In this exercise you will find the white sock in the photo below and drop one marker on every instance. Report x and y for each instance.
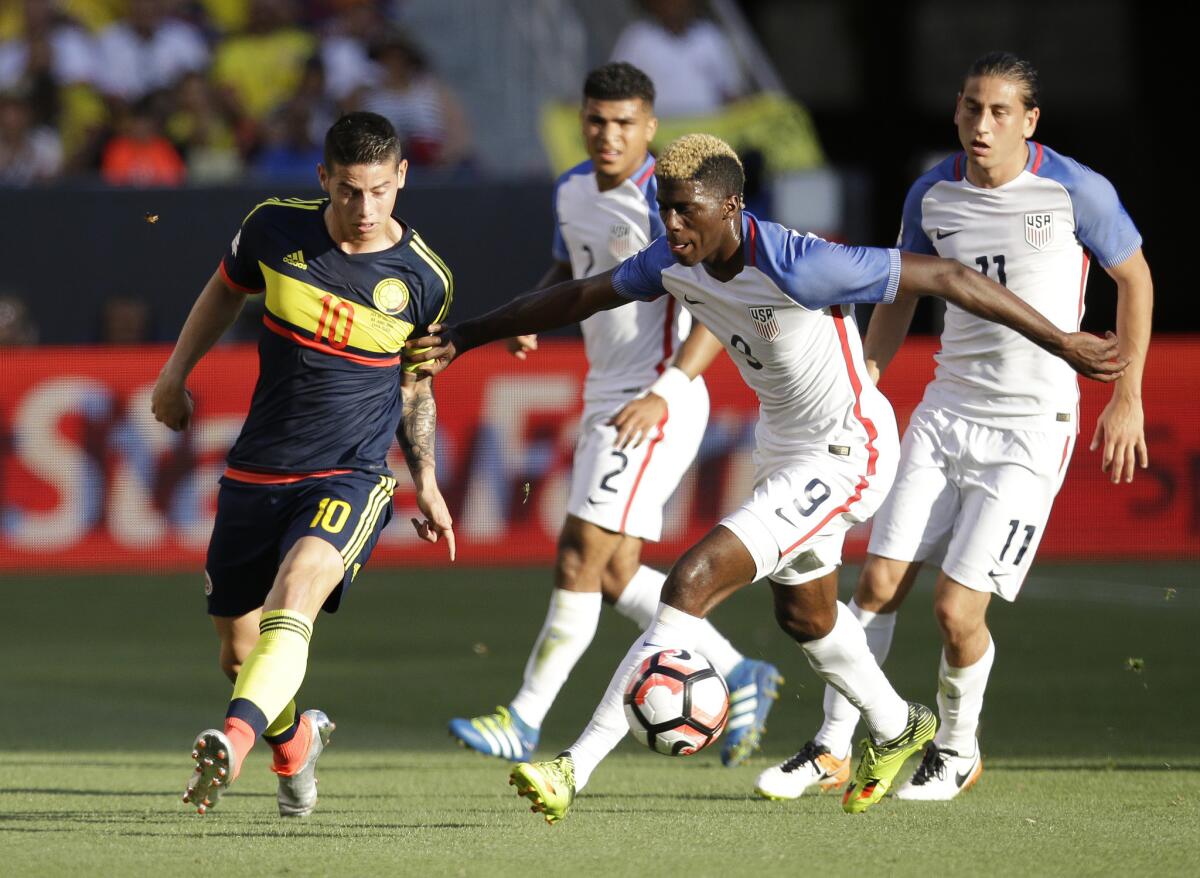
(960, 701)
(569, 627)
(841, 717)
(640, 599)
(671, 629)
(844, 660)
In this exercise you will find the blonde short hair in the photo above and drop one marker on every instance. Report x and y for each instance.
(704, 158)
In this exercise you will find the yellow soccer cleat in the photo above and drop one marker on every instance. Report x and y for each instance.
(550, 786)
(880, 763)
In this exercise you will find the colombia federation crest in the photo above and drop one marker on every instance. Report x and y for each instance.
(390, 295)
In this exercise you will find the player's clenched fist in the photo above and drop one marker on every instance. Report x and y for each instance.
(171, 403)
(432, 353)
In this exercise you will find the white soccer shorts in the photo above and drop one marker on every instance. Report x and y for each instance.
(972, 498)
(795, 522)
(624, 490)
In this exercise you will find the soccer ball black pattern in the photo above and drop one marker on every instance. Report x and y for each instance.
(676, 703)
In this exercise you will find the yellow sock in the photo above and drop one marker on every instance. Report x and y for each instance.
(285, 722)
(272, 673)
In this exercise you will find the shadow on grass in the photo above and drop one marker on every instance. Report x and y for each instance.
(55, 791)
(71, 821)
(14, 759)
(1093, 766)
(695, 797)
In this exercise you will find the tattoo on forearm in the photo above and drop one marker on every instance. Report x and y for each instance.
(419, 427)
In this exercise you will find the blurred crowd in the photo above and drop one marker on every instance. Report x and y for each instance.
(147, 93)
(162, 92)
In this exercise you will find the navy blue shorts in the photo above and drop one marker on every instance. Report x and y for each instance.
(257, 525)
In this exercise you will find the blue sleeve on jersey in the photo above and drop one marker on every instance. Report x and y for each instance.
(912, 233)
(816, 273)
(558, 247)
(1101, 223)
(241, 261)
(640, 276)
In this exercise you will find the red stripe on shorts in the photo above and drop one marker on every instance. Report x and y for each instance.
(641, 472)
(839, 321)
(668, 336)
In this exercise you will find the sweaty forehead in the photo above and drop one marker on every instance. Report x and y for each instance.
(680, 192)
(364, 176)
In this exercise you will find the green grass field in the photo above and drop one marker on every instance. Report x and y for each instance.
(1090, 739)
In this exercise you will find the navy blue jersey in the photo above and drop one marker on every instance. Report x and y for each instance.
(328, 391)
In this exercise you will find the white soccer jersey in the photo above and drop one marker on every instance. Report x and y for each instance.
(787, 321)
(627, 347)
(1034, 235)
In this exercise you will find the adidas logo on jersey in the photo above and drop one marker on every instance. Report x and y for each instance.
(296, 260)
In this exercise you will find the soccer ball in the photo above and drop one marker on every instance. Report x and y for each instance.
(676, 703)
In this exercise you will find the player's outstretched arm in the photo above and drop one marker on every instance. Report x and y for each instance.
(640, 416)
(416, 434)
(1090, 356)
(885, 333)
(1120, 429)
(217, 307)
(537, 311)
(520, 345)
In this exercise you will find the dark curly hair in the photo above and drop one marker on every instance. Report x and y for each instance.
(618, 81)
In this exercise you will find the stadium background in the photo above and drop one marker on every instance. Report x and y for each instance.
(836, 114)
(104, 514)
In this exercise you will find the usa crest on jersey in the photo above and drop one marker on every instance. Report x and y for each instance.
(621, 242)
(765, 324)
(1039, 229)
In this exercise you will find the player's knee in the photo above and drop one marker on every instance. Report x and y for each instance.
(308, 575)
(878, 589)
(956, 622)
(690, 582)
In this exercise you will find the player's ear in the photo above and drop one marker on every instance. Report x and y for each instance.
(401, 173)
(731, 205)
(651, 127)
(1031, 120)
(323, 176)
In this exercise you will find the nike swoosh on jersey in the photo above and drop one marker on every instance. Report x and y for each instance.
(941, 234)
(692, 301)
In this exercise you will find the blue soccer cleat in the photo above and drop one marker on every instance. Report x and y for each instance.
(503, 734)
(753, 691)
